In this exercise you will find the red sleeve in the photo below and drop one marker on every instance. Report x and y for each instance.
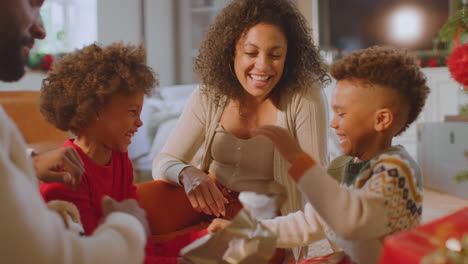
(81, 197)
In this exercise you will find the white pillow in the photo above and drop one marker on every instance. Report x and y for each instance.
(176, 92)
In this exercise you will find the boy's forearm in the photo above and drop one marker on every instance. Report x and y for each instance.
(364, 212)
(296, 229)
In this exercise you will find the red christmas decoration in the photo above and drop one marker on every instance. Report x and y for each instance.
(457, 64)
(433, 62)
(420, 63)
(47, 61)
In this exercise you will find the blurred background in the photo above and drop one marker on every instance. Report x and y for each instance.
(171, 31)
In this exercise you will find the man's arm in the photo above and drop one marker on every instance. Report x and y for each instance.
(36, 235)
(33, 234)
(62, 165)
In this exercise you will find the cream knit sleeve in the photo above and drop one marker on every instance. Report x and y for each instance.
(296, 229)
(306, 119)
(311, 124)
(382, 201)
(33, 234)
(183, 142)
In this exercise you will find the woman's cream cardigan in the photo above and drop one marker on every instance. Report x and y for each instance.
(303, 114)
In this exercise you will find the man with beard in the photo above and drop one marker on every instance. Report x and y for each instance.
(33, 234)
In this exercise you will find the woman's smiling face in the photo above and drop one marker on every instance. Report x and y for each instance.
(260, 55)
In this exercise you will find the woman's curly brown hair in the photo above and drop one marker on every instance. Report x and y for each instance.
(303, 67)
(390, 67)
(85, 80)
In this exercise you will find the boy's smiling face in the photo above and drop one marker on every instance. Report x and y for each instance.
(355, 108)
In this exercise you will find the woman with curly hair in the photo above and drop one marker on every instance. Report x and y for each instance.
(379, 93)
(258, 66)
(97, 94)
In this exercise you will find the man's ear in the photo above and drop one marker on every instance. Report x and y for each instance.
(383, 119)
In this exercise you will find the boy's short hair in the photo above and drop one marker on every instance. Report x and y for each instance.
(389, 67)
(84, 81)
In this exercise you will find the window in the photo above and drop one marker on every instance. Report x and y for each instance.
(70, 24)
(346, 26)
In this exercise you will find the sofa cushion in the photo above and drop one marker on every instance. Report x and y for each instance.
(22, 107)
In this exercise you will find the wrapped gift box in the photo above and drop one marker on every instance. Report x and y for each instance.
(441, 241)
(334, 258)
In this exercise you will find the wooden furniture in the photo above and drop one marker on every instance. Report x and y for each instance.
(455, 118)
(22, 107)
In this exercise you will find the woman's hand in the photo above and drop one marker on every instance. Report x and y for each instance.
(218, 224)
(202, 192)
(284, 142)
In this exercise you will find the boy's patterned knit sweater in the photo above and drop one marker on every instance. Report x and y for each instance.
(359, 202)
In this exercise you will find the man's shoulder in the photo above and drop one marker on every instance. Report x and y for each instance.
(9, 133)
(5, 121)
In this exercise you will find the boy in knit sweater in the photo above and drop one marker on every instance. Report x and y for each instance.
(374, 189)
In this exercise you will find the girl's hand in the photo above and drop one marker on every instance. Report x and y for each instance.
(283, 141)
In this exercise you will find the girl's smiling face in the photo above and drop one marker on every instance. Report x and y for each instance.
(119, 120)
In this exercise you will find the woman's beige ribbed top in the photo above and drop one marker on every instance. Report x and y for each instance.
(241, 164)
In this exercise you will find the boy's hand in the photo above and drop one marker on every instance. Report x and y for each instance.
(284, 142)
(218, 224)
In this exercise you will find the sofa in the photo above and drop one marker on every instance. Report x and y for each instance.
(22, 107)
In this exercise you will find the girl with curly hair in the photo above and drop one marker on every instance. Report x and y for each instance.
(258, 66)
(97, 94)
